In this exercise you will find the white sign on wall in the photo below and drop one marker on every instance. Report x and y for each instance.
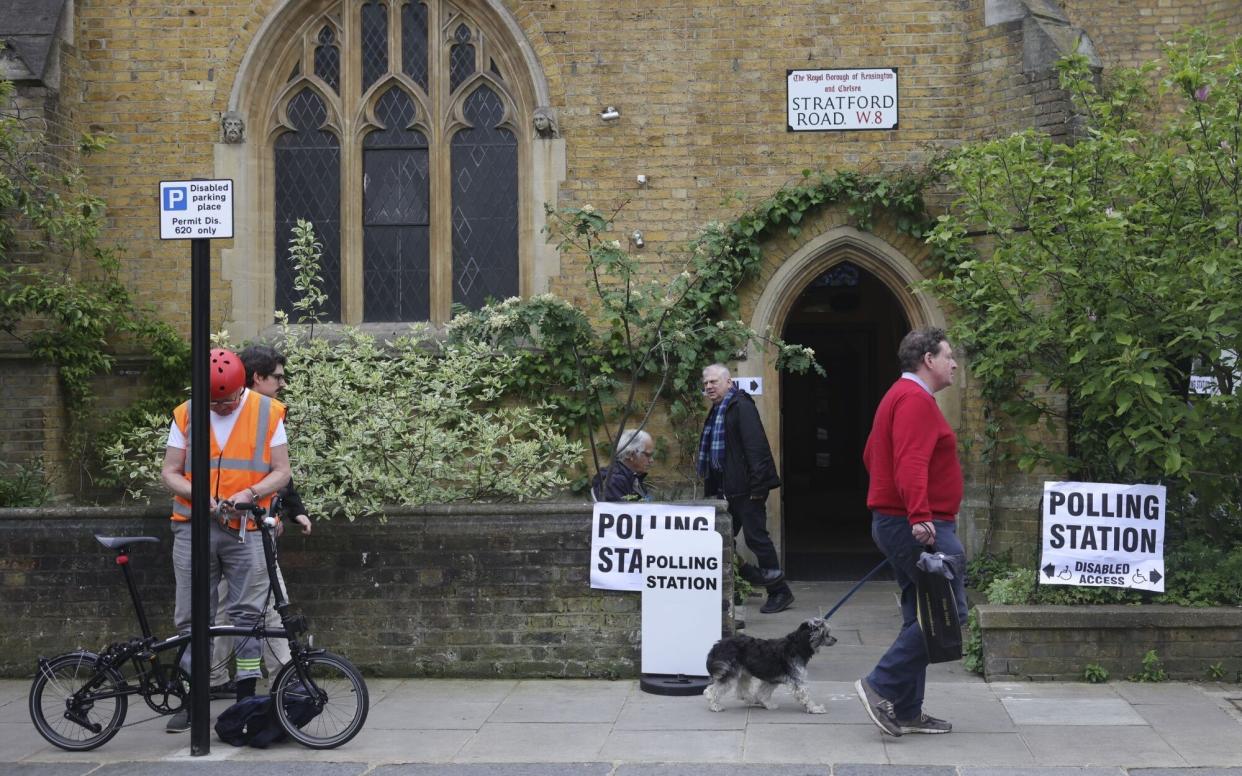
(829, 100)
(196, 210)
(617, 535)
(1099, 534)
(751, 385)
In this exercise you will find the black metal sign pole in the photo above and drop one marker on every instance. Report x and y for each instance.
(200, 524)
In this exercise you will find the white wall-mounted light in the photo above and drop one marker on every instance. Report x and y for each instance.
(636, 239)
(610, 114)
(642, 180)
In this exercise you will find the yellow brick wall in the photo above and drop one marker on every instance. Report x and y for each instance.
(700, 85)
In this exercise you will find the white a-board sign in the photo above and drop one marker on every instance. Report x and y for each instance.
(682, 579)
(1101, 534)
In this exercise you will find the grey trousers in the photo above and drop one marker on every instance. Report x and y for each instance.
(237, 562)
(276, 653)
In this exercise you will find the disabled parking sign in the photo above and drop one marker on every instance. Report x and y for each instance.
(196, 210)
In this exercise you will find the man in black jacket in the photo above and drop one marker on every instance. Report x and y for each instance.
(735, 463)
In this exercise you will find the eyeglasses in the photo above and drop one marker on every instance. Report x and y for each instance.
(280, 377)
(224, 402)
(647, 453)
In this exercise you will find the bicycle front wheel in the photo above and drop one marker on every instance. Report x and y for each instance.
(328, 708)
(73, 721)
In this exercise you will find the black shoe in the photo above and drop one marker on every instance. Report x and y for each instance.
(777, 602)
(224, 692)
(179, 723)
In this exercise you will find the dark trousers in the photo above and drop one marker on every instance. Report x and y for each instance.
(901, 675)
(750, 516)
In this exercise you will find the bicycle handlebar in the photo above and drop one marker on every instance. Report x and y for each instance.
(260, 514)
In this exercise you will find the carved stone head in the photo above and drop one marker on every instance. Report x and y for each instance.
(544, 120)
(233, 127)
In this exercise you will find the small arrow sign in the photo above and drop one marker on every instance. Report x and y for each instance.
(1155, 576)
(1049, 570)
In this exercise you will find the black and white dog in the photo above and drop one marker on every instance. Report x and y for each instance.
(734, 660)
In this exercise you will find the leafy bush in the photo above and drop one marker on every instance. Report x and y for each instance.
(1103, 295)
(23, 485)
(1199, 573)
(373, 424)
(982, 569)
(1152, 670)
(1095, 673)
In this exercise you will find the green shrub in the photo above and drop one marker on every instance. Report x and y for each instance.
(1095, 673)
(1199, 573)
(1152, 670)
(23, 485)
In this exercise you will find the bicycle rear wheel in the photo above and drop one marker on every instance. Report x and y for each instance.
(329, 709)
(82, 723)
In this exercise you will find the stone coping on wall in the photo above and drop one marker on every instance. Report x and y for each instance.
(156, 510)
(1108, 616)
(1059, 642)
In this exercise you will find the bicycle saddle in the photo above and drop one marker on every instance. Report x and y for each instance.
(121, 542)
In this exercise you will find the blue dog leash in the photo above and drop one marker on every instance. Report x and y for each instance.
(854, 589)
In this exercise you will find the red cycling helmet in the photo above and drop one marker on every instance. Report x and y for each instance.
(227, 373)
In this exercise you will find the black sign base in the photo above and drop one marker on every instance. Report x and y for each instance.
(673, 684)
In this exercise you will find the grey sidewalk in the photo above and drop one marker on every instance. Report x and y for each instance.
(602, 727)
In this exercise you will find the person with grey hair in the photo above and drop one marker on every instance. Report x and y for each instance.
(735, 462)
(914, 495)
(624, 480)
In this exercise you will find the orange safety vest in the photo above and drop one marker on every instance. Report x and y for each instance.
(246, 458)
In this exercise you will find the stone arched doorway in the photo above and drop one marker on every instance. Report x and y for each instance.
(850, 296)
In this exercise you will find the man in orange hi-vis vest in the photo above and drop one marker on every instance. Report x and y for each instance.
(249, 464)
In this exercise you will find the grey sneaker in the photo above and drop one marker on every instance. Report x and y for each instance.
(925, 724)
(880, 710)
(179, 723)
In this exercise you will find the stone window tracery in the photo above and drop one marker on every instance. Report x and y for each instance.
(399, 136)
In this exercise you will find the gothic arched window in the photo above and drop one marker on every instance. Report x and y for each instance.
(399, 135)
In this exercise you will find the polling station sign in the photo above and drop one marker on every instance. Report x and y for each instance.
(617, 531)
(1099, 534)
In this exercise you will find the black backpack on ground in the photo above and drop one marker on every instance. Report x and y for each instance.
(252, 721)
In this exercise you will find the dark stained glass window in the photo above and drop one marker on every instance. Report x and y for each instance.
(396, 216)
(485, 215)
(461, 58)
(414, 42)
(365, 155)
(328, 59)
(374, 43)
(308, 186)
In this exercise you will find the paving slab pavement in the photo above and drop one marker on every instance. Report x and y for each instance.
(612, 728)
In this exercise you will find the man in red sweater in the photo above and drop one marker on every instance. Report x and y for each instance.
(915, 492)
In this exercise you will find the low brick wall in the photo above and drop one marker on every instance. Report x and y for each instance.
(1058, 642)
(467, 591)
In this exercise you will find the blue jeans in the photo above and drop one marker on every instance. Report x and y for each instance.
(901, 674)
